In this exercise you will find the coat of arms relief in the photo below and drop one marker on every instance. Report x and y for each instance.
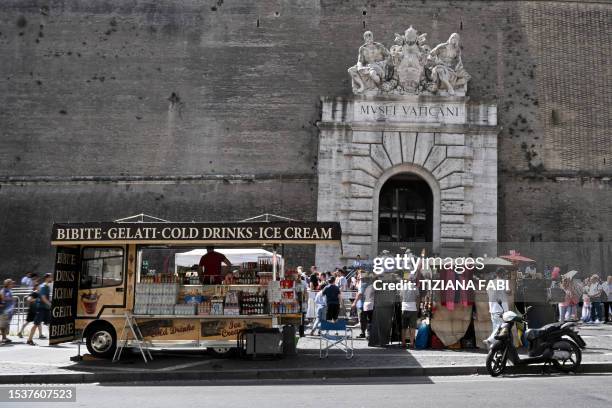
(409, 67)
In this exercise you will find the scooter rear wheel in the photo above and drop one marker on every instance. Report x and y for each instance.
(571, 364)
(496, 361)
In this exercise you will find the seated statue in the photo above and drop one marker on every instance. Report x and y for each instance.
(447, 70)
(369, 73)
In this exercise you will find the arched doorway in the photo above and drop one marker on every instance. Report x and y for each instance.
(405, 213)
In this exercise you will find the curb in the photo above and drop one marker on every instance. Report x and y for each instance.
(285, 374)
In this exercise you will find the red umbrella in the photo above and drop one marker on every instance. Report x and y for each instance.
(516, 257)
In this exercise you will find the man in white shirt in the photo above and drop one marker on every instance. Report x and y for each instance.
(341, 280)
(498, 304)
(27, 280)
(410, 300)
(365, 302)
(368, 305)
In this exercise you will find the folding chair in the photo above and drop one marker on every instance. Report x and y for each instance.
(339, 339)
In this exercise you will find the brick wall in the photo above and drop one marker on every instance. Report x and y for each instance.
(127, 92)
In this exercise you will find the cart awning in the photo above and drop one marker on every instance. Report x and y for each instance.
(197, 233)
(235, 255)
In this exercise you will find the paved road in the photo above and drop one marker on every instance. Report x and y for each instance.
(18, 358)
(422, 392)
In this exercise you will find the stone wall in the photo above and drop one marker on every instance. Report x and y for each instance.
(455, 153)
(131, 98)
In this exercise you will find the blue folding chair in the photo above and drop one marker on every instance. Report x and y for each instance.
(335, 334)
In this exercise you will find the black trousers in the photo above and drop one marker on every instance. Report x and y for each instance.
(333, 311)
(607, 311)
(365, 320)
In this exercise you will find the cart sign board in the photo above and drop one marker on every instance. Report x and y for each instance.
(172, 329)
(237, 232)
(229, 329)
(64, 297)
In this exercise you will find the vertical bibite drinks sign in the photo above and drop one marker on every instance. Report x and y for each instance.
(64, 297)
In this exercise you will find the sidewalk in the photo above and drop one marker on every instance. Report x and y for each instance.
(20, 363)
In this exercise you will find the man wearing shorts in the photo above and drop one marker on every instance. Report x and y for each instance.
(32, 300)
(44, 307)
(410, 299)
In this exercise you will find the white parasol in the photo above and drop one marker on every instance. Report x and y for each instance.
(570, 274)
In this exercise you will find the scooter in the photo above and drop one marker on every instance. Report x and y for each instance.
(556, 344)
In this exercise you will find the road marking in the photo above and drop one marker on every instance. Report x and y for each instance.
(186, 365)
(129, 369)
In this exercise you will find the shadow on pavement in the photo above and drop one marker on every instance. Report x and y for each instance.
(132, 359)
(305, 359)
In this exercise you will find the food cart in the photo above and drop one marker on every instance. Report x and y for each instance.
(108, 273)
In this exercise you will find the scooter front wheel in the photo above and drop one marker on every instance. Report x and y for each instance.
(496, 361)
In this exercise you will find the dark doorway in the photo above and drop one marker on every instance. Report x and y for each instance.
(405, 210)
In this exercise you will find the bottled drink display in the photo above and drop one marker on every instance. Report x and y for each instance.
(156, 298)
(231, 306)
(182, 294)
(252, 304)
(248, 277)
(265, 264)
(284, 308)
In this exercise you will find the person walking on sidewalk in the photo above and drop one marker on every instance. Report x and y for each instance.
(32, 300)
(498, 304)
(410, 300)
(320, 310)
(43, 308)
(7, 307)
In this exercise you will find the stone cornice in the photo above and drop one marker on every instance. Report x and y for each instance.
(412, 127)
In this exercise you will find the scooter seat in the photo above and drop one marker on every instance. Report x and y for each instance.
(533, 334)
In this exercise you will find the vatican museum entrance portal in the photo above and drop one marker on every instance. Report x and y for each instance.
(409, 161)
(405, 212)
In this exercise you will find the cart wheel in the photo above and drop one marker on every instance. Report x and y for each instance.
(222, 352)
(101, 340)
